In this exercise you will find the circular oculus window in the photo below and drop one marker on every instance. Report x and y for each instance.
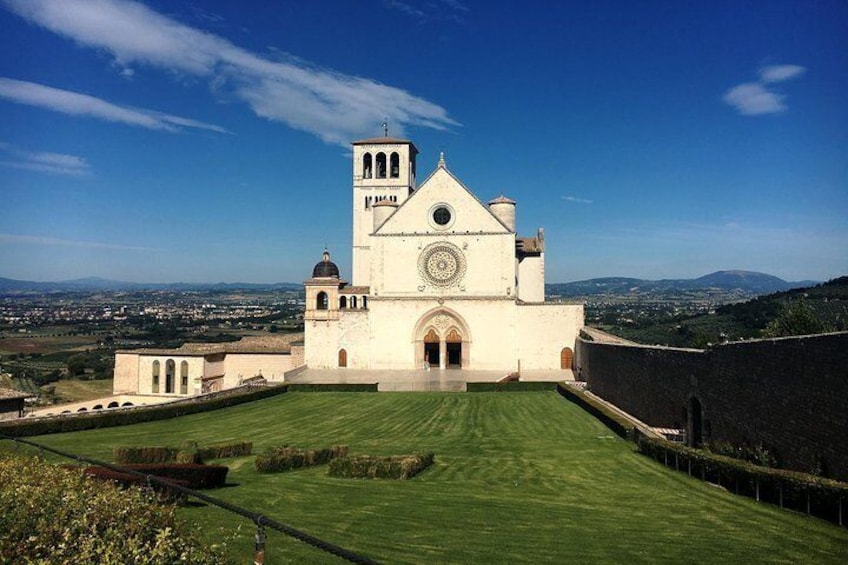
(442, 216)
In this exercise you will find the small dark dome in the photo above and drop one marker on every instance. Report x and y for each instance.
(326, 268)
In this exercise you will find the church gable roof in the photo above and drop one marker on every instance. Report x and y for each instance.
(468, 213)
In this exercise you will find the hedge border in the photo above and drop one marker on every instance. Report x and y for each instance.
(760, 483)
(197, 475)
(90, 421)
(332, 387)
(284, 458)
(124, 455)
(765, 484)
(513, 386)
(610, 418)
(394, 467)
(225, 449)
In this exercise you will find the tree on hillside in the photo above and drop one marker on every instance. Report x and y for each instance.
(796, 318)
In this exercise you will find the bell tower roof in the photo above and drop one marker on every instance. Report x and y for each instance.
(386, 141)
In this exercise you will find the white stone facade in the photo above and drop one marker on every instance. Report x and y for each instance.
(441, 280)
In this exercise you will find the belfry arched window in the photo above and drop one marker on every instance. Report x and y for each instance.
(343, 302)
(321, 301)
(367, 166)
(381, 165)
(353, 302)
(394, 165)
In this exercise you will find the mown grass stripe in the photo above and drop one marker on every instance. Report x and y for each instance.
(519, 477)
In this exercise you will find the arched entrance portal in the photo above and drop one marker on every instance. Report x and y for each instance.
(431, 349)
(453, 347)
(566, 358)
(442, 340)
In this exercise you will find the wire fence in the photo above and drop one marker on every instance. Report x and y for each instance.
(259, 520)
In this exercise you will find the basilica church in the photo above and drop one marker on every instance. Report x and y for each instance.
(439, 279)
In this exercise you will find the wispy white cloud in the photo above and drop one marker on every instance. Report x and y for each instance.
(780, 73)
(53, 241)
(757, 98)
(405, 7)
(429, 11)
(334, 106)
(77, 104)
(45, 162)
(753, 99)
(577, 200)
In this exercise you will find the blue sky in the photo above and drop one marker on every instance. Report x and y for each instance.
(177, 140)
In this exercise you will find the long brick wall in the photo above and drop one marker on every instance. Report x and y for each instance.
(790, 394)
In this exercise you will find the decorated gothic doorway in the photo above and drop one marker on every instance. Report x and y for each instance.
(566, 358)
(453, 347)
(431, 349)
(441, 340)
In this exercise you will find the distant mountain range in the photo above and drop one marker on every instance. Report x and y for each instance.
(93, 284)
(743, 281)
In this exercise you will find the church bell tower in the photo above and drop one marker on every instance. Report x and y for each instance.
(383, 169)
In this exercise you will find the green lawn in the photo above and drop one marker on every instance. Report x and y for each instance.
(75, 390)
(521, 477)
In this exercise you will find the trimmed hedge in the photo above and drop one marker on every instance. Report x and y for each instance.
(195, 475)
(226, 450)
(374, 467)
(189, 452)
(512, 386)
(126, 479)
(788, 489)
(285, 458)
(156, 454)
(611, 419)
(108, 419)
(333, 387)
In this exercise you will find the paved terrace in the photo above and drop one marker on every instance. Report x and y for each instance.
(452, 380)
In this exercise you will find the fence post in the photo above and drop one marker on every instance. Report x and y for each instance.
(780, 490)
(840, 509)
(259, 543)
(757, 488)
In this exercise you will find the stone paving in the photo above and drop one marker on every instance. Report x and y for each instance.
(451, 380)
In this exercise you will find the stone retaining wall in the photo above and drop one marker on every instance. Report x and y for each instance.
(790, 394)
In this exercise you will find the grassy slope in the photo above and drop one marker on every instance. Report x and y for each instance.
(519, 478)
(74, 390)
